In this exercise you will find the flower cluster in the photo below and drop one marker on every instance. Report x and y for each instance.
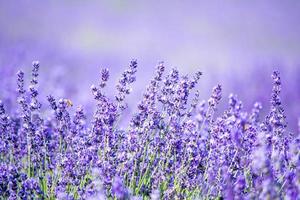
(175, 146)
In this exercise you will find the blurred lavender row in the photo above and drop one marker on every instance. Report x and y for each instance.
(236, 45)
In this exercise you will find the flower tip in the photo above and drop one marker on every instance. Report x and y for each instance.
(35, 63)
(20, 73)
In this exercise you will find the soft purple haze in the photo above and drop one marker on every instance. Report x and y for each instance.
(237, 44)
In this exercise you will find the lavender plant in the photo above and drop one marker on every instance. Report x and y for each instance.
(175, 147)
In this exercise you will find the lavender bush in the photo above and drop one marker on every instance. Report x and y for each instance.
(175, 146)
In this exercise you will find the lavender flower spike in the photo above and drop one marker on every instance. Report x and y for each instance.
(172, 147)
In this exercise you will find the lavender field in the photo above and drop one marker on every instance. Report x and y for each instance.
(141, 100)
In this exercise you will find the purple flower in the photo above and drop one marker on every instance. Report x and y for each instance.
(123, 86)
(174, 147)
(118, 189)
(104, 77)
(34, 104)
(215, 96)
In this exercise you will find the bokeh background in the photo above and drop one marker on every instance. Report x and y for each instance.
(235, 43)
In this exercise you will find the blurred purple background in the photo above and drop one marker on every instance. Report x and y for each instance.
(237, 44)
